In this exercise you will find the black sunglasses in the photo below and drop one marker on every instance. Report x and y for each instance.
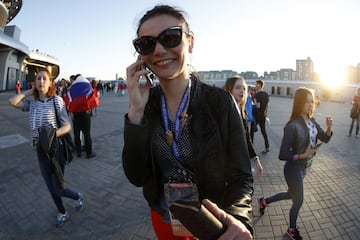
(169, 38)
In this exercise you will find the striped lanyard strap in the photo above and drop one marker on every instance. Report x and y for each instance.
(174, 138)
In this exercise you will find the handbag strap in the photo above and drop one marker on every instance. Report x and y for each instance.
(56, 114)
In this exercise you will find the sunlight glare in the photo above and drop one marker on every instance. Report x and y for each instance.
(332, 75)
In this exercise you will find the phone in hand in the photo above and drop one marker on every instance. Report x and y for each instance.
(319, 144)
(197, 219)
(150, 76)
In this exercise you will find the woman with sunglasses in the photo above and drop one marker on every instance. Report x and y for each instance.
(183, 139)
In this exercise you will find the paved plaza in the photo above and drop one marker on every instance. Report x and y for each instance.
(114, 209)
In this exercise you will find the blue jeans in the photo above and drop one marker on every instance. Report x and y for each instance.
(52, 182)
(294, 176)
(354, 120)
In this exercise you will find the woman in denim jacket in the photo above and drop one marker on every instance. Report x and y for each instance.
(298, 147)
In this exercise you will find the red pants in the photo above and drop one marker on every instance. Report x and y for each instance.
(163, 230)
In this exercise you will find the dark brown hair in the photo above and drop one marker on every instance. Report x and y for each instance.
(164, 10)
(229, 85)
(300, 97)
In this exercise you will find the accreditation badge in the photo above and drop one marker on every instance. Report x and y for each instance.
(180, 191)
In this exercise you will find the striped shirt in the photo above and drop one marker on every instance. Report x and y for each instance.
(42, 113)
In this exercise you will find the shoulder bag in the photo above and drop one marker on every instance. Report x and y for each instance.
(65, 144)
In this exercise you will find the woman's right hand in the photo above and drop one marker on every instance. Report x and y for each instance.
(308, 152)
(138, 94)
(235, 229)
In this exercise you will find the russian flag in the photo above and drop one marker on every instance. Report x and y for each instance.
(81, 97)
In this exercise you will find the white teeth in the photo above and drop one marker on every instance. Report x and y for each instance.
(164, 62)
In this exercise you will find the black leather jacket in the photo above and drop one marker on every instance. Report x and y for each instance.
(296, 139)
(220, 161)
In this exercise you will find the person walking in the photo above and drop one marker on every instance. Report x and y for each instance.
(94, 84)
(249, 107)
(354, 115)
(183, 136)
(18, 87)
(63, 88)
(122, 88)
(260, 111)
(42, 113)
(238, 88)
(100, 88)
(298, 149)
(80, 100)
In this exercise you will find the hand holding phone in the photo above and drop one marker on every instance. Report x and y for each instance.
(149, 76)
(197, 219)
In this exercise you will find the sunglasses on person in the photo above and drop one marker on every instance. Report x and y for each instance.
(169, 38)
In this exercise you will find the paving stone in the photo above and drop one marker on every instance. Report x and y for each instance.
(114, 209)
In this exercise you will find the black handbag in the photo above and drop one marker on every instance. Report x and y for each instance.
(47, 139)
(65, 149)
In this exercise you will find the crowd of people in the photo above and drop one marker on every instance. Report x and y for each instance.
(195, 140)
(184, 141)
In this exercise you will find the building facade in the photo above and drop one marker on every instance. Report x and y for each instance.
(17, 62)
(304, 69)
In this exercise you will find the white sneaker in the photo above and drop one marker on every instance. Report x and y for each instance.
(79, 205)
(61, 218)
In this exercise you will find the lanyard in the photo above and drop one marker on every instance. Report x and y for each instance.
(173, 138)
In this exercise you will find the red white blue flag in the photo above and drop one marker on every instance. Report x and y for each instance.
(81, 97)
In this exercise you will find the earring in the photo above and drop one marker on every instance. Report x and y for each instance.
(190, 67)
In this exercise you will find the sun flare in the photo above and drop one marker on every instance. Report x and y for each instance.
(332, 75)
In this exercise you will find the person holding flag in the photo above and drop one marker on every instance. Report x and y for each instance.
(79, 100)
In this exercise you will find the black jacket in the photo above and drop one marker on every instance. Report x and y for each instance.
(297, 138)
(220, 161)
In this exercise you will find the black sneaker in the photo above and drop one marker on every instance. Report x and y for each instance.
(294, 234)
(266, 151)
(262, 205)
(91, 155)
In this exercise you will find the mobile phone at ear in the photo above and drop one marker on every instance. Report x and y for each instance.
(150, 76)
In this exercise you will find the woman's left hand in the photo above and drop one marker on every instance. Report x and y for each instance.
(329, 123)
(235, 230)
(259, 167)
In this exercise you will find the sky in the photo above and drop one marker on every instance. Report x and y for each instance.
(94, 38)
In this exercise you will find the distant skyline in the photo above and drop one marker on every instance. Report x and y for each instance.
(94, 37)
